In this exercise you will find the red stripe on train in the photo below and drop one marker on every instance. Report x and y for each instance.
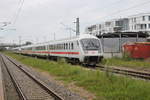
(64, 52)
(56, 52)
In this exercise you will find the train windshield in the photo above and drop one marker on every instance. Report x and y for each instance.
(90, 44)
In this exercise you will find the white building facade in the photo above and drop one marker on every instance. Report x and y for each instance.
(135, 23)
(140, 22)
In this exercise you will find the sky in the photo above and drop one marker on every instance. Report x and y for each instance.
(39, 20)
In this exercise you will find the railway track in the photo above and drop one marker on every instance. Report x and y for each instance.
(27, 85)
(124, 71)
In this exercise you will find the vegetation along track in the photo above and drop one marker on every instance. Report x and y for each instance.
(123, 71)
(27, 85)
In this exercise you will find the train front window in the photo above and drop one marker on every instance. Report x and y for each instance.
(90, 44)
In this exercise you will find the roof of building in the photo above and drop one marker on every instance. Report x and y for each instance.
(140, 14)
(124, 34)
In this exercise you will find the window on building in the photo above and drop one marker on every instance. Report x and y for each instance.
(119, 23)
(134, 19)
(149, 18)
(99, 26)
(141, 26)
(149, 25)
(145, 26)
(134, 27)
(143, 18)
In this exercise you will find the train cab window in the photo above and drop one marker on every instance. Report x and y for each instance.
(90, 44)
(72, 46)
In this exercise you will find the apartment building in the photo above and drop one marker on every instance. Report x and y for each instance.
(135, 23)
(139, 22)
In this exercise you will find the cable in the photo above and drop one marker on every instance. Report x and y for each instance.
(123, 10)
(18, 12)
(68, 28)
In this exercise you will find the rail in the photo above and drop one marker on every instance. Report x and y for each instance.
(39, 82)
(129, 72)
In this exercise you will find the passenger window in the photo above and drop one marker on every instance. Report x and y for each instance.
(72, 46)
(66, 45)
(77, 43)
(69, 46)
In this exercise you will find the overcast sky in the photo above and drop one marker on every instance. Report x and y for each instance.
(38, 20)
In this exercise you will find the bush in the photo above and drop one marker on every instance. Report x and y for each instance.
(127, 56)
(62, 61)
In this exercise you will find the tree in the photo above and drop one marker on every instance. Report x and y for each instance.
(28, 43)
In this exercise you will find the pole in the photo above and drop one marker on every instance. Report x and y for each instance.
(77, 26)
(54, 36)
(20, 41)
(70, 33)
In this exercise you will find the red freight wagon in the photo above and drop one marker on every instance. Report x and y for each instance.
(138, 50)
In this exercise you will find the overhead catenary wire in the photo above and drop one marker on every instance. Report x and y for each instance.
(124, 10)
(18, 12)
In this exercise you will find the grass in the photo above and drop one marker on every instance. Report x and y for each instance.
(104, 85)
(133, 63)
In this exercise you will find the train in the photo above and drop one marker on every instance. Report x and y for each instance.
(85, 49)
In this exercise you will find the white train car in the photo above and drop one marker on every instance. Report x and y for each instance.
(83, 49)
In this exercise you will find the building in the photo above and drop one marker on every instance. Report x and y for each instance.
(139, 22)
(135, 23)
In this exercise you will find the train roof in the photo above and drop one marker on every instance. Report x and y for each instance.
(83, 36)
